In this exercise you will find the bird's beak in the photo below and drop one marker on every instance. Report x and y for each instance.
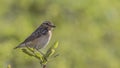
(53, 26)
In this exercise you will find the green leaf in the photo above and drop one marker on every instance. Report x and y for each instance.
(55, 45)
(8, 66)
(51, 50)
(50, 53)
(27, 52)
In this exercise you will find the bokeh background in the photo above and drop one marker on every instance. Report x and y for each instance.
(88, 32)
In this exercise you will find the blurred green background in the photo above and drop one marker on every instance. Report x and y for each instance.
(88, 32)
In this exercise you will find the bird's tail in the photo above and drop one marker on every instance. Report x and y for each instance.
(16, 47)
(19, 46)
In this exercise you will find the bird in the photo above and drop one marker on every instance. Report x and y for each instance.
(39, 38)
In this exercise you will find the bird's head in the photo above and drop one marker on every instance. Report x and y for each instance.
(49, 25)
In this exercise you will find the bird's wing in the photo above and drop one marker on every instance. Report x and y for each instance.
(29, 39)
(36, 34)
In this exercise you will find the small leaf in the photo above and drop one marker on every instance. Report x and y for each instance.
(26, 52)
(38, 54)
(8, 66)
(55, 45)
(50, 53)
(51, 50)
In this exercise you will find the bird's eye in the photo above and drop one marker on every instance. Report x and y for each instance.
(47, 24)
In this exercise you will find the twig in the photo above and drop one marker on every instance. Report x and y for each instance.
(44, 66)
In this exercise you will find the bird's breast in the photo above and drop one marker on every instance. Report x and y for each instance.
(43, 40)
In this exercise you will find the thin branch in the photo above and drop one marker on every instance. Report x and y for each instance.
(44, 66)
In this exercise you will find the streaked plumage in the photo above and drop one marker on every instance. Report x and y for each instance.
(40, 37)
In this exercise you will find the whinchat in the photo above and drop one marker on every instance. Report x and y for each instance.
(40, 37)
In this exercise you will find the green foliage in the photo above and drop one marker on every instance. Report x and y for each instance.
(43, 58)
